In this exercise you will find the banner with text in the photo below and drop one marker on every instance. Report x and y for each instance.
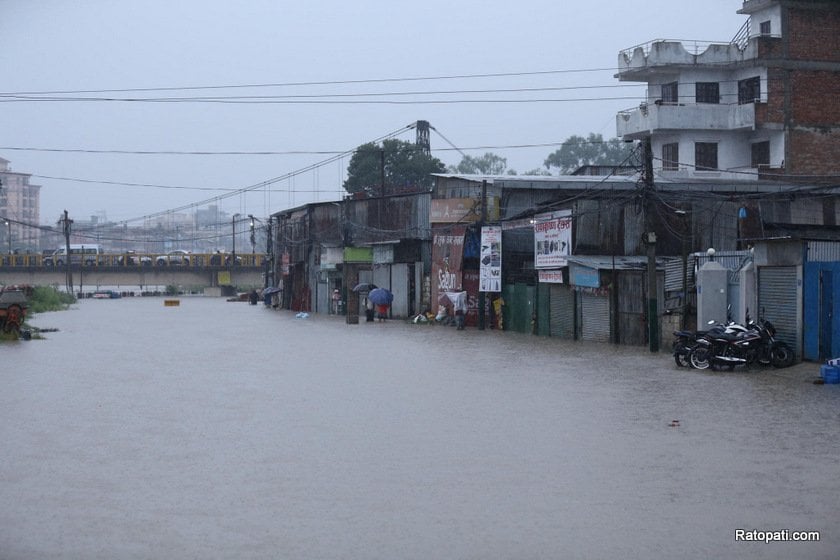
(490, 274)
(447, 256)
(552, 239)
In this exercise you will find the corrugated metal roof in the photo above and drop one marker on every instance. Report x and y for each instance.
(608, 262)
(823, 251)
(627, 182)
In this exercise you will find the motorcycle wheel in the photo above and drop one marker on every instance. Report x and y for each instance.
(781, 355)
(681, 356)
(698, 357)
(763, 356)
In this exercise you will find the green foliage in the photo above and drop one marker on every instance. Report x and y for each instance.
(405, 166)
(488, 164)
(47, 298)
(539, 172)
(172, 290)
(578, 151)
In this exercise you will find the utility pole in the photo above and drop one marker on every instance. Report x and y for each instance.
(233, 246)
(65, 223)
(253, 236)
(381, 191)
(650, 241)
(422, 139)
(269, 255)
(482, 301)
(382, 171)
(684, 319)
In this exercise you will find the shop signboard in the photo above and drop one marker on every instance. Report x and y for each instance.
(383, 254)
(331, 257)
(583, 276)
(490, 273)
(453, 210)
(462, 210)
(551, 276)
(552, 239)
(358, 255)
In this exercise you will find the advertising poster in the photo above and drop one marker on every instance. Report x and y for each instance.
(490, 273)
(552, 239)
(447, 256)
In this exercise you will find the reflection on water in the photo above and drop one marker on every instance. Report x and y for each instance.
(221, 430)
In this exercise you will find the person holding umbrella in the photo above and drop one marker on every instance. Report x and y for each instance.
(381, 298)
(366, 288)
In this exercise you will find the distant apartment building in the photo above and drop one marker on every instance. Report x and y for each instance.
(20, 209)
(764, 105)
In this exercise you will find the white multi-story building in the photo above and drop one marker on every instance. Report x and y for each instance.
(20, 208)
(763, 105)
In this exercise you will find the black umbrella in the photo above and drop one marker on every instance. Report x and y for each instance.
(364, 287)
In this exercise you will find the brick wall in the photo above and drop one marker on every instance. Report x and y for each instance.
(815, 98)
(814, 151)
(814, 34)
(813, 141)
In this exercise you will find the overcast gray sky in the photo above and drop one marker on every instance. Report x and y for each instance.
(55, 45)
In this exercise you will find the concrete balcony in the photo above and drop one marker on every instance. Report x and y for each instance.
(642, 61)
(649, 119)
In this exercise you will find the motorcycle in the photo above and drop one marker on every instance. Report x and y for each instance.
(773, 352)
(685, 341)
(757, 344)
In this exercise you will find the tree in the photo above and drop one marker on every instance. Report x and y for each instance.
(488, 164)
(593, 150)
(539, 172)
(406, 165)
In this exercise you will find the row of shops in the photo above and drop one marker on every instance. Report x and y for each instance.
(548, 273)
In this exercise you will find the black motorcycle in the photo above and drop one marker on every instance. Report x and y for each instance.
(773, 352)
(755, 345)
(685, 341)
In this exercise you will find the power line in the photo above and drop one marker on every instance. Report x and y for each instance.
(315, 83)
(302, 97)
(267, 182)
(281, 153)
(313, 101)
(357, 82)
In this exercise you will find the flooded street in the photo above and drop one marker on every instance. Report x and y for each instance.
(224, 430)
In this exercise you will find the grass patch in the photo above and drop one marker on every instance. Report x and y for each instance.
(47, 298)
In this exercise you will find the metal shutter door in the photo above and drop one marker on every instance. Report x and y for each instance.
(562, 312)
(777, 300)
(595, 318)
(399, 287)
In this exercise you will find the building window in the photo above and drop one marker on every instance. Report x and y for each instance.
(760, 154)
(749, 90)
(671, 156)
(707, 92)
(705, 156)
(764, 27)
(670, 93)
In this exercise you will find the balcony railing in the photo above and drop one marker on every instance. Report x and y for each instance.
(695, 116)
(691, 46)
